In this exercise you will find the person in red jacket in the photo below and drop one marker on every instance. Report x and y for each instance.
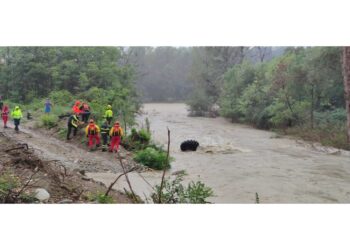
(76, 108)
(116, 133)
(5, 114)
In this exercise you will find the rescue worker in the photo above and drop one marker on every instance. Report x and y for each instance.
(109, 114)
(92, 132)
(105, 128)
(73, 123)
(17, 116)
(76, 108)
(5, 115)
(1, 103)
(85, 112)
(116, 133)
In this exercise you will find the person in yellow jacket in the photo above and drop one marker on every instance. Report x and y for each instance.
(116, 134)
(73, 123)
(92, 131)
(17, 116)
(109, 114)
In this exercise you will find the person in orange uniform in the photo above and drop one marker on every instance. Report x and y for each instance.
(92, 131)
(116, 134)
(76, 108)
(5, 114)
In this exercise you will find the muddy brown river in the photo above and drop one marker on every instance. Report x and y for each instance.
(237, 161)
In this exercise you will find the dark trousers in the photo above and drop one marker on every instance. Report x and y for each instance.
(17, 122)
(85, 117)
(75, 130)
(104, 141)
(109, 120)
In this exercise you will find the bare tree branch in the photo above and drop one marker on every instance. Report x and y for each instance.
(165, 168)
(115, 181)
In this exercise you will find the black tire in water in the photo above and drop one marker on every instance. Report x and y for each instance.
(189, 145)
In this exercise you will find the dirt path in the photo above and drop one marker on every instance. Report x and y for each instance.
(101, 166)
(69, 154)
(237, 161)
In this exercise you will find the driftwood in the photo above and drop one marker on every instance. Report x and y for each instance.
(115, 181)
(126, 176)
(22, 146)
(164, 170)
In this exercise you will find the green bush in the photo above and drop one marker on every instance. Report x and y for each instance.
(143, 136)
(7, 183)
(153, 158)
(336, 117)
(137, 140)
(49, 121)
(61, 97)
(101, 198)
(10, 185)
(174, 192)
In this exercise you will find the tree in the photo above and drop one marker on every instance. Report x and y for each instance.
(208, 69)
(346, 74)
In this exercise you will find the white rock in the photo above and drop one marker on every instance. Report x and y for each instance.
(41, 194)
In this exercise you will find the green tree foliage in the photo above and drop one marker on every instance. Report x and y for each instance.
(28, 72)
(92, 74)
(286, 91)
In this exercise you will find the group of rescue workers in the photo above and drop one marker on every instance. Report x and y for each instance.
(110, 134)
(16, 114)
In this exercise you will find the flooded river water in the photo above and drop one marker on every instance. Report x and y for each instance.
(237, 161)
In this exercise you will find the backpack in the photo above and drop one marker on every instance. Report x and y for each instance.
(116, 131)
(92, 130)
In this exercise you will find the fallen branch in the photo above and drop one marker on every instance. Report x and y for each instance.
(26, 184)
(126, 176)
(165, 168)
(115, 181)
(24, 146)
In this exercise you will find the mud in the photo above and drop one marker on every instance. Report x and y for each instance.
(238, 161)
(31, 172)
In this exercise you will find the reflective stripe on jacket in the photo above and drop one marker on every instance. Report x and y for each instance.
(73, 120)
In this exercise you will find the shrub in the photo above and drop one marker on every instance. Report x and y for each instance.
(335, 117)
(153, 158)
(61, 97)
(7, 183)
(10, 187)
(49, 121)
(137, 140)
(174, 192)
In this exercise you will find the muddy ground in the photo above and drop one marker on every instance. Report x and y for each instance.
(59, 167)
